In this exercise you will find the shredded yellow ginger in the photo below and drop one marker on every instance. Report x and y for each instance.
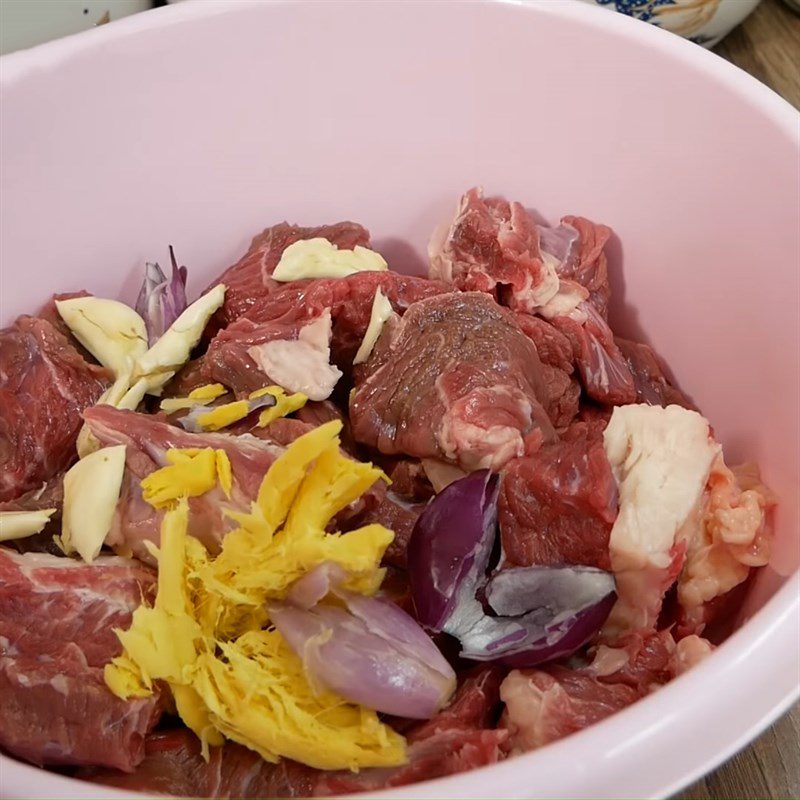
(285, 404)
(224, 415)
(207, 636)
(202, 395)
(190, 472)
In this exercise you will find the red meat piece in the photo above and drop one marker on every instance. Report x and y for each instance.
(455, 380)
(558, 506)
(45, 384)
(57, 621)
(492, 246)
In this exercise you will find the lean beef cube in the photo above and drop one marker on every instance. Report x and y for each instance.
(584, 259)
(409, 476)
(580, 309)
(455, 380)
(49, 495)
(249, 279)
(548, 703)
(558, 505)
(604, 371)
(475, 705)
(446, 753)
(175, 766)
(556, 354)
(553, 347)
(57, 620)
(397, 514)
(188, 378)
(460, 737)
(45, 384)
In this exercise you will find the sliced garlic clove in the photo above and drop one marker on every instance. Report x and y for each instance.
(19, 524)
(91, 491)
(319, 258)
(111, 331)
(173, 349)
(381, 311)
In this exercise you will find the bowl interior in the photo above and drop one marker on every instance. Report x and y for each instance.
(199, 124)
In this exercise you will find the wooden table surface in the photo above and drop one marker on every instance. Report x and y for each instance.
(767, 45)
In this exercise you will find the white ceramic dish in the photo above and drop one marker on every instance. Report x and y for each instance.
(703, 22)
(200, 123)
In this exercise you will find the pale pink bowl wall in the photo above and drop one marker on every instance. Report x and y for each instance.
(199, 124)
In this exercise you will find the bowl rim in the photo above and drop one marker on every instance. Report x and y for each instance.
(592, 766)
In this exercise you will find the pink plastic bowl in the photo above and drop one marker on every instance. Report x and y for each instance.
(200, 123)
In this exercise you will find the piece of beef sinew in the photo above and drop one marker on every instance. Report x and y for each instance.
(45, 384)
(455, 380)
(57, 621)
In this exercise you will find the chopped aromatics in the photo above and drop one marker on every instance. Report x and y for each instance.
(206, 635)
(173, 349)
(20, 524)
(370, 652)
(111, 331)
(91, 491)
(381, 311)
(161, 300)
(201, 396)
(189, 473)
(318, 258)
(540, 613)
(115, 334)
(284, 404)
(201, 418)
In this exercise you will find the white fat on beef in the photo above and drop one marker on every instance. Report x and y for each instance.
(566, 301)
(689, 652)
(661, 459)
(726, 536)
(484, 446)
(302, 364)
(538, 296)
